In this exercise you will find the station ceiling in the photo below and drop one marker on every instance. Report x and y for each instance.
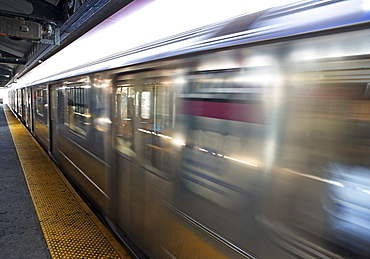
(31, 31)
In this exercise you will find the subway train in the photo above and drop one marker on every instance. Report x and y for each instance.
(247, 138)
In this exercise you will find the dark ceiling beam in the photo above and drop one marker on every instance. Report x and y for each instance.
(10, 50)
(3, 82)
(5, 69)
(48, 11)
(6, 74)
(19, 6)
(10, 60)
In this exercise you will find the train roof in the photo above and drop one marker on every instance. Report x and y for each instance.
(294, 19)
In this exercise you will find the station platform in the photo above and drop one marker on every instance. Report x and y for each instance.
(41, 215)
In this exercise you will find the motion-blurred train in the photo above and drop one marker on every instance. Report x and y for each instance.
(248, 138)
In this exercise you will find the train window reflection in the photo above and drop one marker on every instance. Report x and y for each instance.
(39, 102)
(157, 122)
(125, 110)
(145, 105)
(325, 143)
(19, 104)
(78, 116)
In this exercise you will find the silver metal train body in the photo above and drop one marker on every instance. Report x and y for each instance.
(245, 139)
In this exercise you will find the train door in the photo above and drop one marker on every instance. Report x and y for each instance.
(53, 129)
(144, 126)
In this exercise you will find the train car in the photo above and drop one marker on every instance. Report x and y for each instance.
(243, 139)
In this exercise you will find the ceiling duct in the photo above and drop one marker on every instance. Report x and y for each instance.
(21, 29)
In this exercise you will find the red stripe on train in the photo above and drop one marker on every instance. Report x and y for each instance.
(251, 113)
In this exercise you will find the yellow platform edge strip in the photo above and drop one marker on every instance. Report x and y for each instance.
(70, 228)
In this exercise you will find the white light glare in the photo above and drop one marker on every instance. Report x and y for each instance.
(179, 142)
(366, 5)
(87, 115)
(240, 161)
(145, 131)
(104, 120)
(228, 157)
(363, 190)
(315, 178)
(175, 141)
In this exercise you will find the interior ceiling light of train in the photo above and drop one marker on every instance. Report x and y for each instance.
(31, 31)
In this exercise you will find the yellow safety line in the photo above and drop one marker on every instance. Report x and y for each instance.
(70, 228)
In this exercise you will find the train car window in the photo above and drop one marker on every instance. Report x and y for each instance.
(324, 148)
(25, 105)
(18, 100)
(125, 110)
(231, 84)
(145, 105)
(78, 114)
(40, 102)
(157, 124)
(223, 118)
(21, 102)
(319, 124)
(137, 95)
